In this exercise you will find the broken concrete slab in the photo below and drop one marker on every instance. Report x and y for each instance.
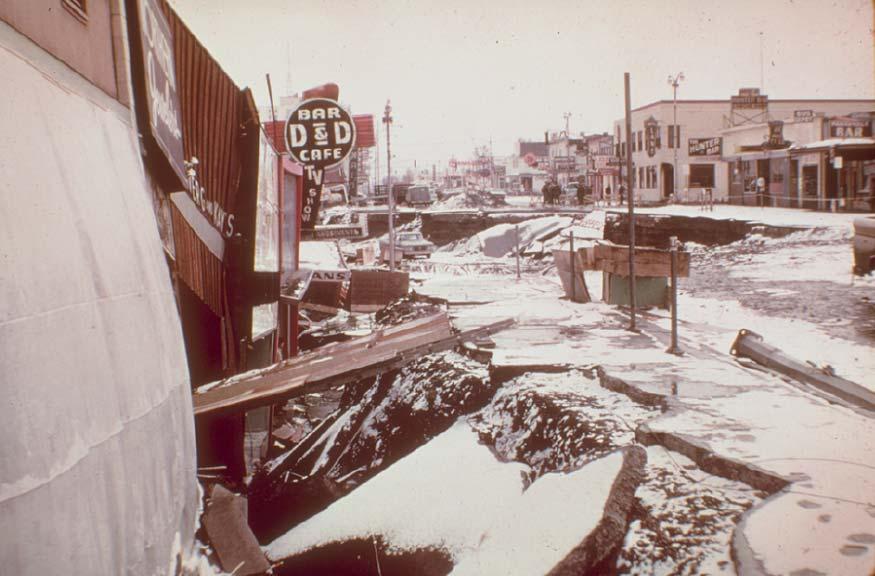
(453, 495)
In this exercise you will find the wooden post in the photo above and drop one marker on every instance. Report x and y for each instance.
(573, 279)
(674, 296)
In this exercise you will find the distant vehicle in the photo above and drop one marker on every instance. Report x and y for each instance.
(407, 245)
(420, 196)
(864, 244)
(496, 195)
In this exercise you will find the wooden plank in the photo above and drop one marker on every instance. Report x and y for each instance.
(562, 259)
(336, 364)
(377, 287)
(614, 258)
(228, 529)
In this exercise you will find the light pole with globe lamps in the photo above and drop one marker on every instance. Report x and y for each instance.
(675, 81)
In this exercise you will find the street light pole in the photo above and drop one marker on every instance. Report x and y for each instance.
(387, 120)
(675, 81)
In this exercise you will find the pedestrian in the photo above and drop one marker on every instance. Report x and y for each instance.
(581, 194)
(622, 191)
(545, 192)
(557, 193)
(761, 191)
(608, 199)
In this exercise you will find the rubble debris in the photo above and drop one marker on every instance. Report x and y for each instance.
(557, 422)
(378, 423)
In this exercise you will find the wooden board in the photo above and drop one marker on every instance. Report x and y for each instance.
(228, 529)
(377, 287)
(329, 365)
(614, 258)
(562, 259)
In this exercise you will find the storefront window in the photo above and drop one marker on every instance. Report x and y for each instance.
(701, 175)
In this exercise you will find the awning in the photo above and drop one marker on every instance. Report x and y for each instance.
(850, 148)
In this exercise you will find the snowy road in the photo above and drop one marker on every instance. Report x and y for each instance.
(733, 451)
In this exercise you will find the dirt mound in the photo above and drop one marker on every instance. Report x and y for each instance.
(557, 422)
(411, 307)
(379, 421)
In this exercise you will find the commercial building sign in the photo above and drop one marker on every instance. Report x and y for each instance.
(776, 134)
(847, 127)
(705, 146)
(803, 115)
(564, 163)
(162, 98)
(749, 98)
(319, 134)
(651, 136)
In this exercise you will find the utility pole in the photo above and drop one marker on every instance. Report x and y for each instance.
(387, 120)
(675, 81)
(762, 82)
(630, 188)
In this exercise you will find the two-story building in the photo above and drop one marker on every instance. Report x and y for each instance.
(678, 147)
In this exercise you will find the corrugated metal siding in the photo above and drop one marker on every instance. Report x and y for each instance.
(197, 266)
(212, 111)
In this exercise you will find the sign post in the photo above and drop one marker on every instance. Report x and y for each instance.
(320, 134)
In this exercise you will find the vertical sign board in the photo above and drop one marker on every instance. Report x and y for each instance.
(319, 134)
(162, 98)
(776, 134)
(651, 135)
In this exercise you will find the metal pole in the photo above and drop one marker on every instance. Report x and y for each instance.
(674, 172)
(517, 251)
(674, 296)
(631, 193)
(573, 280)
(387, 118)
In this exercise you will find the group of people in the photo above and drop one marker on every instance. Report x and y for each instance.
(552, 194)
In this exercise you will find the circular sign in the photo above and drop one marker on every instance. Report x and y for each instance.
(320, 133)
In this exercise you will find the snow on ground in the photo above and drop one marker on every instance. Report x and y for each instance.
(452, 494)
(736, 412)
(686, 520)
(828, 451)
(548, 521)
(799, 339)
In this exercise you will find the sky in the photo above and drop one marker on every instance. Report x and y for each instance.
(462, 74)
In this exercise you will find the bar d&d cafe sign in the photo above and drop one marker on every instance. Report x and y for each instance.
(319, 135)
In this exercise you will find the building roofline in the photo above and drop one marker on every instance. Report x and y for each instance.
(771, 100)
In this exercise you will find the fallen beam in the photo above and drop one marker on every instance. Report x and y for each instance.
(336, 364)
(750, 345)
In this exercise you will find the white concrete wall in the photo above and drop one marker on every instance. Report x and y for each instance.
(97, 458)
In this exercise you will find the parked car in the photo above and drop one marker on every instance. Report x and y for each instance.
(864, 244)
(407, 245)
